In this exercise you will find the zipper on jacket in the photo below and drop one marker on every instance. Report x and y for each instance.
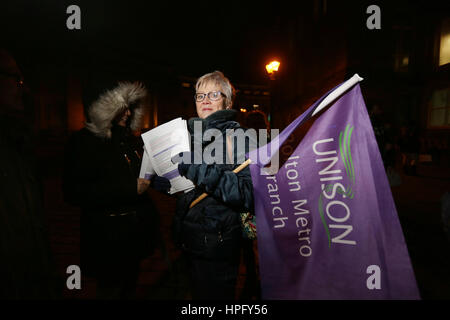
(129, 163)
(128, 159)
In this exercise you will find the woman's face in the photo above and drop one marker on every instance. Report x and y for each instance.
(207, 106)
(123, 118)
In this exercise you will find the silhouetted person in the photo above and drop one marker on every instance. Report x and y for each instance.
(384, 134)
(257, 120)
(119, 222)
(379, 129)
(408, 143)
(26, 265)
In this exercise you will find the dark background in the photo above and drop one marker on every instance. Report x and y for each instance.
(167, 45)
(164, 43)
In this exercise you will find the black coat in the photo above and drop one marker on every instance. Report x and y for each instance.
(118, 226)
(27, 270)
(212, 229)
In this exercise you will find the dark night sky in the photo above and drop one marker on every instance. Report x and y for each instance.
(188, 37)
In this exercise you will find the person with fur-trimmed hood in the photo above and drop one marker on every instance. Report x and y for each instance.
(119, 223)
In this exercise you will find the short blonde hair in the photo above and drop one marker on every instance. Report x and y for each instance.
(218, 78)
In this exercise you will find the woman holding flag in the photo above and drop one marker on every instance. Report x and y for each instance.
(209, 233)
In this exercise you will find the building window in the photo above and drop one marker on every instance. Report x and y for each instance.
(444, 45)
(439, 116)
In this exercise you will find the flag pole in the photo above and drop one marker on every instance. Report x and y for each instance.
(204, 195)
(336, 93)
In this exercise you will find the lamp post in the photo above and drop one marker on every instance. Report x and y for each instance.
(272, 69)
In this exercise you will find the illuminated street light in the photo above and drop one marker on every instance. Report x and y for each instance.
(272, 67)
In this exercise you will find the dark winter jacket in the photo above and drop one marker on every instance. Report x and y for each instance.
(212, 228)
(27, 270)
(101, 170)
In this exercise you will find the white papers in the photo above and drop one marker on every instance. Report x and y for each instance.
(164, 142)
(147, 170)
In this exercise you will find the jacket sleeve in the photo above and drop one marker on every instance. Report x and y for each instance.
(82, 184)
(219, 180)
(234, 189)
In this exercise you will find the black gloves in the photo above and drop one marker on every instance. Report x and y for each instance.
(160, 184)
(181, 158)
(183, 168)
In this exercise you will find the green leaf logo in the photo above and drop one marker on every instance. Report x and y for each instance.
(346, 156)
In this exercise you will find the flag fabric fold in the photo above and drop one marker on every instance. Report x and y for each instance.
(326, 221)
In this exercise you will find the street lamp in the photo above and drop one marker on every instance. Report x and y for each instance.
(272, 69)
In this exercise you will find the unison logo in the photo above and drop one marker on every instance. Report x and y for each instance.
(335, 199)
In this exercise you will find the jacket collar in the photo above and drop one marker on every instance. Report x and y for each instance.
(214, 119)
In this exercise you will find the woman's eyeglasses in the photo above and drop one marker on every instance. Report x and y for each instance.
(213, 96)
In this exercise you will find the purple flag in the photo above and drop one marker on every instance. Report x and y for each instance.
(326, 222)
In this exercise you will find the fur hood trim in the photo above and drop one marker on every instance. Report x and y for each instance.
(110, 104)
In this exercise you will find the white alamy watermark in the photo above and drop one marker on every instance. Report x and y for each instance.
(374, 280)
(73, 21)
(374, 20)
(74, 280)
(230, 147)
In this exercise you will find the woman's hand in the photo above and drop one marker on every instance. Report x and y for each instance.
(142, 185)
(184, 160)
(160, 184)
